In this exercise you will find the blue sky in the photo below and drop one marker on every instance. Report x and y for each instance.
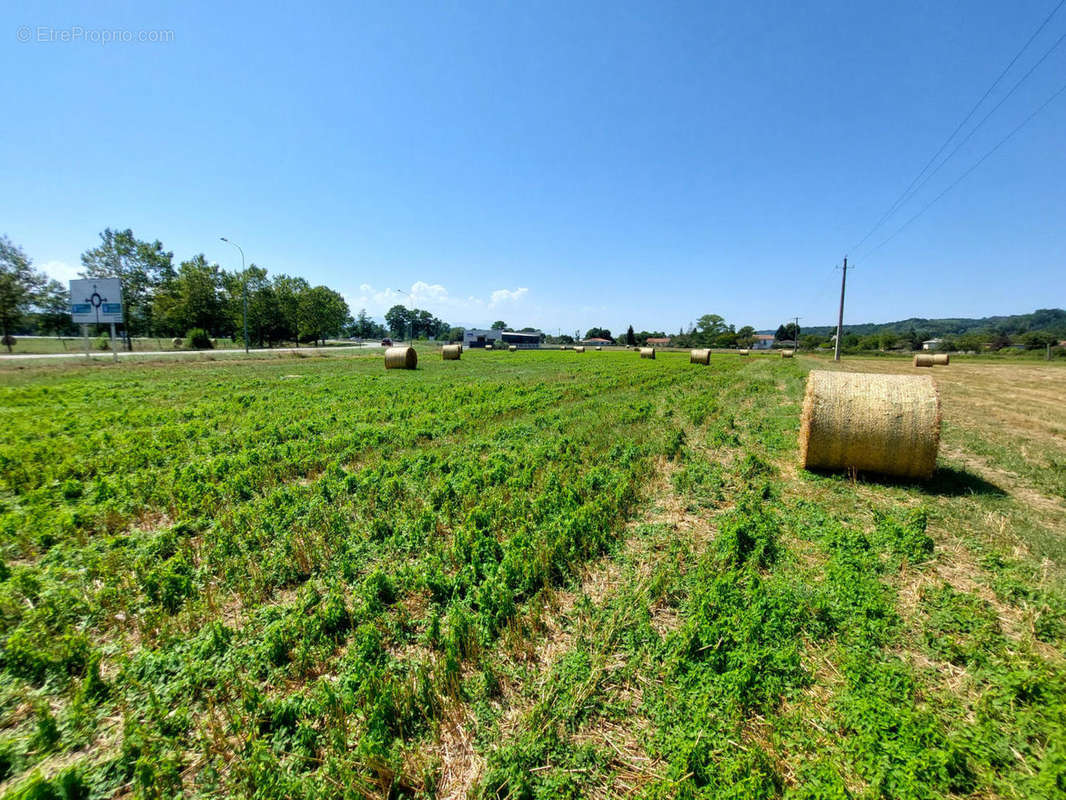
(560, 165)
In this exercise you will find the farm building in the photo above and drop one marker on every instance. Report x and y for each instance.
(522, 340)
(763, 341)
(932, 344)
(658, 341)
(476, 337)
(596, 340)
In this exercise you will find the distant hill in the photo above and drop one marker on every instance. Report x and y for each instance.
(1052, 320)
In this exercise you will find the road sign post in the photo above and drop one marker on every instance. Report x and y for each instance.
(96, 301)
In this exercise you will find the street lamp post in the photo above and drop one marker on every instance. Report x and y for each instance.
(244, 280)
(412, 326)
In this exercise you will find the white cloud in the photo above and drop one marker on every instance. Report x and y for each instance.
(435, 298)
(60, 270)
(507, 295)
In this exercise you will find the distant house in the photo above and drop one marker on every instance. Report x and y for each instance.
(596, 341)
(659, 341)
(932, 344)
(763, 341)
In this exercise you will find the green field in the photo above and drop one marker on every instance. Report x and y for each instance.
(539, 574)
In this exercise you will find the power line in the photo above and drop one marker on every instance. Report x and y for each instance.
(907, 193)
(966, 138)
(978, 163)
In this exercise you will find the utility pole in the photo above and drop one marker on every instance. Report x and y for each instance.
(840, 316)
(796, 333)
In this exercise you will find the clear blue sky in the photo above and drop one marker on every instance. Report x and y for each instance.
(553, 164)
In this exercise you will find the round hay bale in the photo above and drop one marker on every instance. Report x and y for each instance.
(451, 352)
(176, 341)
(743, 352)
(923, 359)
(787, 353)
(700, 356)
(579, 349)
(513, 348)
(888, 424)
(647, 352)
(599, 347)
(941, 359)
(401, 358)
(488, 347)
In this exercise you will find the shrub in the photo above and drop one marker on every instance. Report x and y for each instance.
(103, 342)
(198, 339)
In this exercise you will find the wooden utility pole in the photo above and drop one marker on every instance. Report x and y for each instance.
(840, 316)
(796, 334)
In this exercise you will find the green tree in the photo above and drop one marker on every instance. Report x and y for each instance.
(399, 320)
(746, 336)
(499, 325)
(20, 286)
(53, 309)
(140, 266)
(599, 333)
(631, 338)
(193, 298)
(710, 326)
(288, 292)
(323, 313)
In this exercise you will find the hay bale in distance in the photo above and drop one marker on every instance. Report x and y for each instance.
(941, 359)
(513, 348)
(579, 349)
(488, 347)
(743, 352)
(888, 424)
(599, 347)
(451, 352)
(923, 359)
(647, 352)
(401, 358)
(787, 353)
(700, 356)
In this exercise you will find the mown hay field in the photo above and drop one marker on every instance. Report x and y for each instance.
(542, 574)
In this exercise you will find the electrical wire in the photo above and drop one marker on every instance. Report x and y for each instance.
(976, 164)
(908, 193)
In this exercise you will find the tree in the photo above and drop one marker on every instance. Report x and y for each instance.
(20, 285)
(399, 320)
(599, 333)
(53, 309)
(745, 336)
(499, 325)
(190, 299)
(786, 333)
(323, 313)
(288, 292)
(140, 266)
(710, 326)
(631, 339)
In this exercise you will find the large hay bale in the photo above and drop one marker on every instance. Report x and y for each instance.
(647, 352)
(401, 358)
(872, 423)
(488, 347)
(787, 353)
(700, 356)
(451, 352)
(941, 359)
(579, 349)
(923, 359)
(513, 348)
(743, 352)
(599, 347)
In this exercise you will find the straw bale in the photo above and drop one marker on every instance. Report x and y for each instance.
(889, 424)
(401, 358)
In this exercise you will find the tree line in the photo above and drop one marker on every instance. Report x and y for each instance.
(164, 300)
